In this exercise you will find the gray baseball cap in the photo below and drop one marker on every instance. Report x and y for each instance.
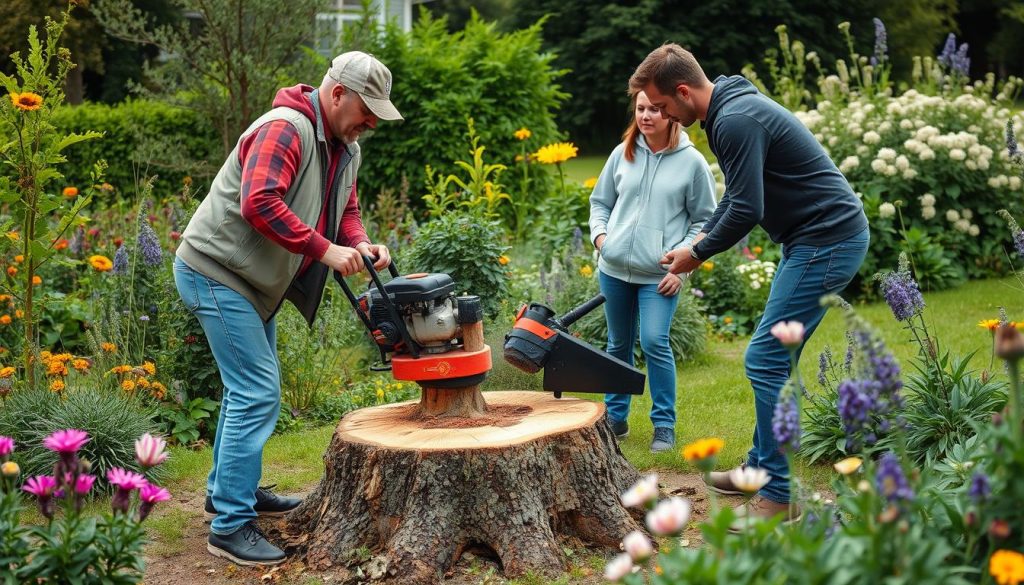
(365, 75)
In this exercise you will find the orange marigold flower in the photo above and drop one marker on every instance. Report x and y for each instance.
(1007, 567)
(150, 368)
(55, 368)
(7, 371)
(703, 449)
(5, 319)
(122, 369)
(18, 313)
(57, 385)
(36, 279)
(19, 258)
(61, 244)
(757, 249)
(70, 192)
(63, 357)
(27, 101)
(101, 263)
(128, 386)
(11, 271)
(503, 260)
(82, 365)
(108, 347)
(143, 383)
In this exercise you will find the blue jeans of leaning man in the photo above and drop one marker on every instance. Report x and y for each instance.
(246, 352)
(803, 276)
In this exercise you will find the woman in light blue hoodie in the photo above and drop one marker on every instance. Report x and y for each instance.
(654, 195)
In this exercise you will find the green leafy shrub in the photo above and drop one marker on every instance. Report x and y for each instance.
(373, 391)
(504, 81)
(469, 247)
(140, 137)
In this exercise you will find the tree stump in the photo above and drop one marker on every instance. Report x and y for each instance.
(405, 493)
(465, 402)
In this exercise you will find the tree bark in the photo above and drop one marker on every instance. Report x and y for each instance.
(404, 496)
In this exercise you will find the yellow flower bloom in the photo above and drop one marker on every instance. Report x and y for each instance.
(558, 152)
(108, 347)
(143, 383)
(1007, 567)
(757, 249)
(703, 449)
(57, 385)
(122, 369)
(708, 265)
(128, 385)
(70, 192)
(7, 372)
(586, 271)
(150, 368)
(523, 134)
(990, 324)
(81, 365)
(18, 313)
(10, 469)
(380, 394)
(590, 183)
(727, 320)
(27, 101)
(848, 465)
(503, 260)
(13, 236)
(101, 263)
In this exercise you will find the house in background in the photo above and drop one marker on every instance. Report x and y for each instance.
(330, 24)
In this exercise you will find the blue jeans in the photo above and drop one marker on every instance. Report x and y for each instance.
(246, 352)
(804, 275)
(625, 305)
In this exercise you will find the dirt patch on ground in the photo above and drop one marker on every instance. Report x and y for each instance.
(186, 562)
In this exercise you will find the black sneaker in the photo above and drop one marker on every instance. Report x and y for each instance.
(246, 546)
(620, 428)
(267, 504)
(664, 439)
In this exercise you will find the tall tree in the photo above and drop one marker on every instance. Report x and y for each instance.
(226, 60)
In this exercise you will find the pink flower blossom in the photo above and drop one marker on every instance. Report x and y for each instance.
(789, 333)
(152, 494)
(642, 492)
(66, 441)
(6, 446)
(84, 483)
(41, 486)
(150, 450)
(637, 546)
(618, 567)
(669, 516)
(126, 480)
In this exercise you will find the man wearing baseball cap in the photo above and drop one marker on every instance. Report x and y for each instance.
(281, 213)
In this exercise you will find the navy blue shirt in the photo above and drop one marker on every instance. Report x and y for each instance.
(777, 175)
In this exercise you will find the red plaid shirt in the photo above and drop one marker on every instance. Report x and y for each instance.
(270, 159)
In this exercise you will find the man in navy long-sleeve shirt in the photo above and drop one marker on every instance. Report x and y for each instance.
(779, 177)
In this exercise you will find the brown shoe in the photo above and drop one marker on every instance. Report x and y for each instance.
(719, 482)
(760, 509)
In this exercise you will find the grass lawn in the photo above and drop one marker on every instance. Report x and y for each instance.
(714, 398)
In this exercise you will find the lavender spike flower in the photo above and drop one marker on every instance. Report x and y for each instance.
(881, 45)
(901, 291)
(1011, 141)
(891, 481)
(824, 361)
(786, 420)
(961, 62)
(1015, 232)
(149, 244)
(948, 51)
(121, 260)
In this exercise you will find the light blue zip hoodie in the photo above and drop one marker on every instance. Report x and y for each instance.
(647, 207)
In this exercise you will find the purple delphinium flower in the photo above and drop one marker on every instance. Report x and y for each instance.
(980, 488)
(948, 51)
(824, 361)
(891, 482)
(1011, 140)
(855, 404)
(149, 244)
(961, 62)
(786, 420)
(881, 46)
(121, 260)
(901, 294)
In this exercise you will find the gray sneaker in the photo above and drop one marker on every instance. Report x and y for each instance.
(620, 428)
(664, 439)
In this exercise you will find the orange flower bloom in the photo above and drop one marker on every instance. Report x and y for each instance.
(5, 319)
(27, 101)
(990, 324)
(503, 260)
(7, 372)
(82, 365)
(19, 259)
(108, 347)
(57, 385)
(101, 263)
(61, 244)
(703, 449)
(70, 192)
(37, 280)
(150, 368)
(11, 271)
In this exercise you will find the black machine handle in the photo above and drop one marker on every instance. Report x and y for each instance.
(576, 313)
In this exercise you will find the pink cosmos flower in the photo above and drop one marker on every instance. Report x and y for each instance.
(6, 446)
(152, 494)
(669, 516)
(789, 333)
(84, 483)
(125, 480)
(150, 450)
(66, 441)
(637, 546)
(41, 486)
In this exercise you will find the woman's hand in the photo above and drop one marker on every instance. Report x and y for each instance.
(670, 285)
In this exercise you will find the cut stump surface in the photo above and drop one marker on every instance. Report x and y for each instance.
(405, 494)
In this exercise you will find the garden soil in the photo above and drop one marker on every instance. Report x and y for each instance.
(187, 562)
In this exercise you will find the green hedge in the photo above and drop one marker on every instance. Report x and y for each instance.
(502, 80)
(139, 137)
